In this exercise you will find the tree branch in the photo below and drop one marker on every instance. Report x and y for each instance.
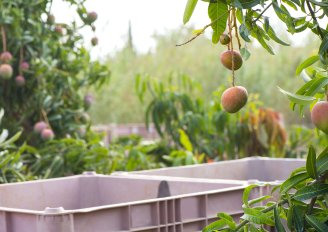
(202, 31)
(314, 19)
(258, 17)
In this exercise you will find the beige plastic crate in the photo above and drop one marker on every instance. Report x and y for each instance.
(253, 168)
(99, 203)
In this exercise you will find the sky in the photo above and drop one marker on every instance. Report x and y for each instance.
(146, 16)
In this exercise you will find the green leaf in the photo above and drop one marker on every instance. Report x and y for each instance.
(190, 7)
(272, 34)
(214, 226)
(296, 2)
(259, 199)
(311, 191)
(316, 224)
(298, 99)
(311, 163)
(215, 37)
(244, 32)
(228, 219)
(266, 23)
(322, 161)
(278, 225)
(218, 13)
(184, 140)
(306, 63)
(293, 181)
(257, 216)
(298, 171)
(249, 3)
(322, 3)
(245, 53)
(11, 140)
(298, 218)
(317, 85)
(290, 214)
(258, 35)
(323, 49)
(246, 193)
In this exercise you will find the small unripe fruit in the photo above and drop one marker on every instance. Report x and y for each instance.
(47, 134)
(6, 71)
(24, 66)
(91, 17)
(93, 27)
(6, 57)
(20, 81)
(59, 30)
(94, 41)
(224, 39)
(51, 19)
(226, 60)
(319, 115)
(39, 127)
(234, 98)
(88, 100)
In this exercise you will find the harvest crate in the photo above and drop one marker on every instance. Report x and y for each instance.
(253, 168)
(99, 203)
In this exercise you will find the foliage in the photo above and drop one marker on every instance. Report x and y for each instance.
(303, 197)
(302, 203)
(257, 25)
(57, 68)
(130, 154)
(11, 163)
(207, 128)
(164, 59)
(300, 138)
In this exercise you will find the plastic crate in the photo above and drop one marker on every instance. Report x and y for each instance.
(99, 203)
(253, 168)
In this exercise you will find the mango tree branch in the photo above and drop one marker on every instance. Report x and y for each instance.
(260, 15)
(314, 19)
(202, 30)
(245, 222)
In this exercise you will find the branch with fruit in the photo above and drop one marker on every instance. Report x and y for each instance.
(248, 19)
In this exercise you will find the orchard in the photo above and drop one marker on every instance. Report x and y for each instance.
(53, 95)
(45, 70)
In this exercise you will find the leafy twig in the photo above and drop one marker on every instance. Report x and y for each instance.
(245, 222)
(260, 15)
(230, 18)
(236, 29)
(314, 19)
(202, 30)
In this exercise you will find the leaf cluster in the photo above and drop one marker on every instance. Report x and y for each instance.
(302, 204)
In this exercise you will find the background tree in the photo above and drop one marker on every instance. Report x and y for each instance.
(245, 19)
(45, 69)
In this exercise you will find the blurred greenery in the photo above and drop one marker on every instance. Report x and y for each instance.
(118, 103)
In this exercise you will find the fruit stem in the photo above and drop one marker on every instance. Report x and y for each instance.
(4, 42)
(231, 45)
(202, 30)
(44, 115)
(235, 26)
